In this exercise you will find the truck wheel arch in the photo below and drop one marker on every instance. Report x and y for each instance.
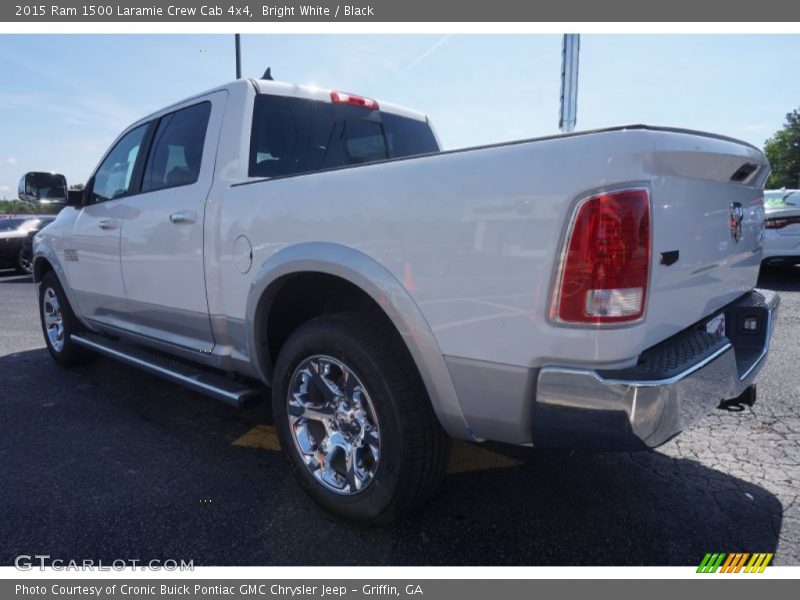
(343, 268)
(46, 260)
(41, 266)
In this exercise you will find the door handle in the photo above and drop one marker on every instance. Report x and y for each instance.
(107, 224)
(184, 216)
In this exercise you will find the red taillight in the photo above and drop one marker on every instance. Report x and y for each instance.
(343, 98)
(606, 265)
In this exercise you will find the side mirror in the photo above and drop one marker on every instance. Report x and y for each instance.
(43, 188)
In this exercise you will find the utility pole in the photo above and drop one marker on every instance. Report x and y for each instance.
(238, 57)
(570, 50)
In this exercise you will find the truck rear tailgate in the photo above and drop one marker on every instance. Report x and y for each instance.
(707, 227)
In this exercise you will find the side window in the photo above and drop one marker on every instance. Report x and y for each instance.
(113, 178)
(177, 148)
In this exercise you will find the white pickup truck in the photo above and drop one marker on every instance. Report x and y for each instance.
(589, 291)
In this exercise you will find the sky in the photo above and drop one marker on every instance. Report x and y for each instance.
(67, 97)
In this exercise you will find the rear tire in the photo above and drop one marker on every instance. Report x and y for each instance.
(346, 386)
(59, 323)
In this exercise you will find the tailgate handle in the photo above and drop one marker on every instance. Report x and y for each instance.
(744, 171)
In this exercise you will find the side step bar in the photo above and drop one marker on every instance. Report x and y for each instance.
(229, 391)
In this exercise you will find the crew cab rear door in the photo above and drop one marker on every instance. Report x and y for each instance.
(161, 244)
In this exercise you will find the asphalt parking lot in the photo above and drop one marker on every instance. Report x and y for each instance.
(103, 462)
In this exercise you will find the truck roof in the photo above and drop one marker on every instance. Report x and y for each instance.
(281, 88)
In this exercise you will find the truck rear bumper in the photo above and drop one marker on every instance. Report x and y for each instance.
(674, 385)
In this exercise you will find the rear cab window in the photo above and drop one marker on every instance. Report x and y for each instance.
(291, 136)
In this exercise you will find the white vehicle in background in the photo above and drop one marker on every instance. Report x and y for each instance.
(592, 290)
(782, 238)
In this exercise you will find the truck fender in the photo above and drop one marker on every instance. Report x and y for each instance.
(45, 253)
(381, 285)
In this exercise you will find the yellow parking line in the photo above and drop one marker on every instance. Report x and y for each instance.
(465, 457)
(260, 436)
(472, 457)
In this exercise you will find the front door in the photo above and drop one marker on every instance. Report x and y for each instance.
(91, 254)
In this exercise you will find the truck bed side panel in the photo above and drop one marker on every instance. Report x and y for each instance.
(475, 236)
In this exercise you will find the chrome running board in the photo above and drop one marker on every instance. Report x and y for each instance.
(229, 391)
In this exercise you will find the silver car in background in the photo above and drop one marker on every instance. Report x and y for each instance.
(782, 222)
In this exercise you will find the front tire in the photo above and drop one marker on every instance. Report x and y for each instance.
(22, 265)
(354, 420)
(59, 323)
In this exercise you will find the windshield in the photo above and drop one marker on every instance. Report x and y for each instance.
(11, 224)
(23, 224)
(784, 198)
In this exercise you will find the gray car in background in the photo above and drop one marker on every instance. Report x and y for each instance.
(782, 222)
(13, 231)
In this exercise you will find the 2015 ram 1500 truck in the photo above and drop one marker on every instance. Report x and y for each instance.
(592, 290)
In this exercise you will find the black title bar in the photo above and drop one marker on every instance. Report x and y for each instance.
(401, 10)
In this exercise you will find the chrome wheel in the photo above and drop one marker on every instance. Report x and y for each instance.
(24, 263)
(53, 320)
(333, 424)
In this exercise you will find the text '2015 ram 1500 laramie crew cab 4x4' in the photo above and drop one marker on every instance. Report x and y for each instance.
(591, 291)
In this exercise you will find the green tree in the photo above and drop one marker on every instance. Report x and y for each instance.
(783, 152)
(18, 207)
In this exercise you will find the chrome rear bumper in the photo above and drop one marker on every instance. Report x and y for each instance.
(674, 385)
